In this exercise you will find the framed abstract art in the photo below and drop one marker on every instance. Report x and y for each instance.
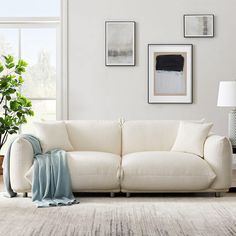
(199, 26)
(120, 43)
(170, 73)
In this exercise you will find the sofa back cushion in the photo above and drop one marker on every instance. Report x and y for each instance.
(148, 135)
(93, 135)
(191, 137)
(52, 134)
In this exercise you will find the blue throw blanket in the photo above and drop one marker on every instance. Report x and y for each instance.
(51, 185)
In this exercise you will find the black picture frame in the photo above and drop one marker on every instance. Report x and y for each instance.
(133, 48)
(191, 75)
(185, 16)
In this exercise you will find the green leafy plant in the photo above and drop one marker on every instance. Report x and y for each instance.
(14, 106)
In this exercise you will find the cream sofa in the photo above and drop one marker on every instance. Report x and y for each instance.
(134, 156)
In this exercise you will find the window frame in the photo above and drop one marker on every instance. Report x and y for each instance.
(60, 24)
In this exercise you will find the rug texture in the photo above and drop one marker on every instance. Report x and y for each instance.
(138, 215)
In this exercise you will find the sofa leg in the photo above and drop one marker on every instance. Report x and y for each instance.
(25, 194)
(128, 194)
(218, 194)
(112, 194)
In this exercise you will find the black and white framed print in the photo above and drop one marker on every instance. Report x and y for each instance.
(199, 26)
(120, 43)
(170, 73)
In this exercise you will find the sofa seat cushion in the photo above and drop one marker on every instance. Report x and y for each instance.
(94, 171)
(165, 171)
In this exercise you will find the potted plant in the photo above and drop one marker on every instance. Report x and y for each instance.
(14, 107)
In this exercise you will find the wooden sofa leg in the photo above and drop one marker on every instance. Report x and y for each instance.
(218, 194)
(128, 194)
(25, 194)
(112, 194)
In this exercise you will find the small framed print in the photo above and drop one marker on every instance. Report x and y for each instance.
(170, 73)
(120, 43)
(199, 26)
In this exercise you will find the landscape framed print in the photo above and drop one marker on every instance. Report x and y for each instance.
(120, 43)
(170, 73)
(199, 26)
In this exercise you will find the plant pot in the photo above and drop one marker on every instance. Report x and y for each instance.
(1, 161)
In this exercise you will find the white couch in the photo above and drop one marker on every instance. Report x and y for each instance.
(134, 156)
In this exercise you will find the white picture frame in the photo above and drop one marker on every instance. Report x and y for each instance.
(170, 73)
(198, 26)
(120, 43)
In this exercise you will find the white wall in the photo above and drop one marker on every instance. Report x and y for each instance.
(100, 92)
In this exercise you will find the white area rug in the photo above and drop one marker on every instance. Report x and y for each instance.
(139, 215)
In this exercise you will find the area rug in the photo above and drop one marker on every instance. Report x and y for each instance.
(139, 215)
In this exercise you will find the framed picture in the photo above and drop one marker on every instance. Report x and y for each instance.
(120, 43)
(199, 26)
(170, 73)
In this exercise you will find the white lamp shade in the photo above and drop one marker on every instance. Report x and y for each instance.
(227, 94)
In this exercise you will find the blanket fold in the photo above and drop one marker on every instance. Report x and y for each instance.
(51, 185)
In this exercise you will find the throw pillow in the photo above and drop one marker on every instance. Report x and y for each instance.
(53, 135)
(191, 137)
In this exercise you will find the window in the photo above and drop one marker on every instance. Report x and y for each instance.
(33, 32)
(38, 47)
(37, 44)
(36, 32)
(29, 8)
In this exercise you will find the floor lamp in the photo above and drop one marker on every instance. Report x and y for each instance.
(227, 98)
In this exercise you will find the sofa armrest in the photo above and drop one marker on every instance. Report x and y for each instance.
(21, 160)
(218, 153)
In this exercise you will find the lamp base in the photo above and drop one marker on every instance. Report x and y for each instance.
(232, 127)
